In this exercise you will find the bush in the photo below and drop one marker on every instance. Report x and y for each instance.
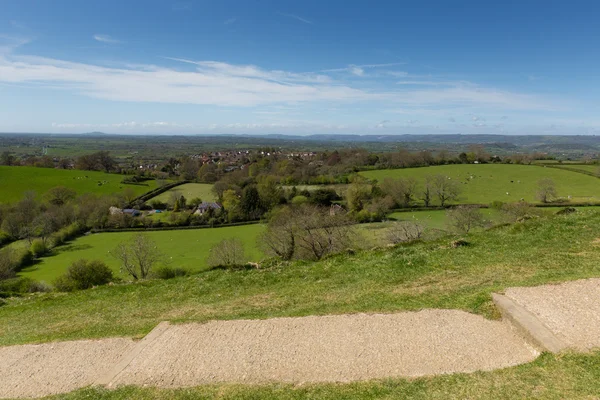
(18, 286)
(167, 272)
(22, 258)
(566, 210)
(84, 274)
(5, 238)
(38, 248)
(65, 234)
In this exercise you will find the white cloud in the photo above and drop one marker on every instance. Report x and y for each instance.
(382, 124)
(222, 84)
(296, 17)
(106, 39)
(230, 21)
(358, 71)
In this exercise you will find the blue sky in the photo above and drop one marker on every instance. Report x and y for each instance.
(300, 67)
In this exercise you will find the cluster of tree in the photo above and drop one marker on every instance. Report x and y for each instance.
(99, 161)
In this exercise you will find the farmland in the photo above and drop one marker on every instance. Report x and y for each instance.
(485, 183)
(14, 181)
(183, 248)
(202, 191)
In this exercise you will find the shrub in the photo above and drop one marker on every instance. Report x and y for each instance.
(167, 272)
(459, 243)
(22, 285)
(22, 258)
(38, 248)
(566, 210)
(84, 274)
(5, 238)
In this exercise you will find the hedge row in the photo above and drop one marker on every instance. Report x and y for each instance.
(172, 228)
(155, 192)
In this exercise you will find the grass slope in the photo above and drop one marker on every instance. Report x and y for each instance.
(187, 248)
(189, 191)
(568, 376)
(492, 182)
(15, 181)
(409, 277)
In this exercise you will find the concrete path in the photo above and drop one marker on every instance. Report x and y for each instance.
(570, 310)
(337, 348)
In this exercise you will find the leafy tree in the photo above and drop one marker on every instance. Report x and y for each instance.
(59, 195)
(7, 159)
(250, 203)
(323, 197)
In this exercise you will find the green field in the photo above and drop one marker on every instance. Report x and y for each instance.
(485, 183)
(187, 248)
(408, 277)
(14, 181)
(189, 191)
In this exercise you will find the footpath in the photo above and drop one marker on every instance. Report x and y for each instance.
(336, 348)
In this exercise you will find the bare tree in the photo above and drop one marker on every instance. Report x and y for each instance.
(279, 239)
(59, 195)
(465, 218)
(227, 253)
(445, 189)
(546, 191)
(321, 233)
(137, 256)
(404, 231)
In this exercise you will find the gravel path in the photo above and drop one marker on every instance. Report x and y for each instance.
(326, 349)
(51, 368)
(571, 310)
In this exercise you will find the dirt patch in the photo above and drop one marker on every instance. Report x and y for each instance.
(51, 368)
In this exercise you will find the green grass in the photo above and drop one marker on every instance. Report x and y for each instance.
(189, 191)
(408, 277)
(550, 377)
(184, 248)
(15, 181)
(485, 183)
(340, 188)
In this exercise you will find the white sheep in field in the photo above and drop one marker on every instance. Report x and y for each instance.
(507, 193)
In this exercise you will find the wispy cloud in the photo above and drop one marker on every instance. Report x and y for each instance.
(296, 17)
(106, 39)
(223, 84)
(355, 70)
(8, 43)
(230, 21)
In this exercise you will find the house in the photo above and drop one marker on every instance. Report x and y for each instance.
(205, 206)
(131, 211)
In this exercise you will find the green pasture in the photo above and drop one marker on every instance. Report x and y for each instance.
(14, 181)
(484, 183)
(189, 191)
(187, 248)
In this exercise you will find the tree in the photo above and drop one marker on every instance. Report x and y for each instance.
(270, 192)
(465, 218)
(231, 204)
(188, 168)
(59, 195)
(546, 190)
(227, 253)
(357, 196)
(219, 189)
(105, 161)
(250, 203)
(7, 159)
(279, 239)
(445, 189)
(320, 232)
(137, 256)
(402, 190)
(7, 264)
(324, 197)
(426, 191)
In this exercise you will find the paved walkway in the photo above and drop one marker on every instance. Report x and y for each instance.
(338, 348)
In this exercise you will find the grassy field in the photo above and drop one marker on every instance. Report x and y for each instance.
(569, 376)
(183, 248)
(15, 181)
(408, 277)
(189, 191)
(339, 188)
(485, 183)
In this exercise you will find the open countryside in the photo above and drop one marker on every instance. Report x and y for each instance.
(14, 182)
(483, 184)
